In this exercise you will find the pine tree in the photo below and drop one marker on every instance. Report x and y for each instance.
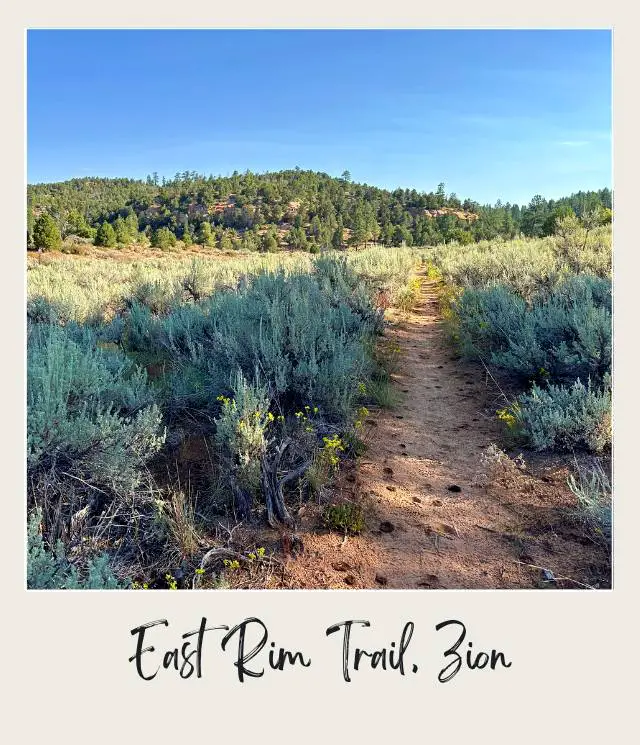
(132, 227)
(402, 236)
(249, 241)
(205, 234)
(163, 238)
(315, 229)
(186, 236)
(387, 234)
(120, 229)
(549, 225)
(269, 241)
(336, 240)
(106, 235)
(225, 242)
(78, 225)
(372, 229)
(46, 235)
(359, 235)
(297, 239)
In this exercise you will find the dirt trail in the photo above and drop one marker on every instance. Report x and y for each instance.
(436, 516)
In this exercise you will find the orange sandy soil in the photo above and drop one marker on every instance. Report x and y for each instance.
(137, 253)
(501, 529)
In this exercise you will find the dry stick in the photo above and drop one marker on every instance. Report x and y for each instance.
(230, 532)
(77, 478)
(105, 521)
(535, 566)
(502, 393)
(522, 563)
(490, 530)
(546, 569)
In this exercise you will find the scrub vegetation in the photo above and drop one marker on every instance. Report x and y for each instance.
(209, 352)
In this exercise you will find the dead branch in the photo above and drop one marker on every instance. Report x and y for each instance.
(272, 485)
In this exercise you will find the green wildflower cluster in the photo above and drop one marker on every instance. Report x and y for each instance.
(347, 517)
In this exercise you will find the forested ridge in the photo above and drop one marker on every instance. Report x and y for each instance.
(292, 208)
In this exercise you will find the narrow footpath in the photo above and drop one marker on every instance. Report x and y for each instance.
(442, 509)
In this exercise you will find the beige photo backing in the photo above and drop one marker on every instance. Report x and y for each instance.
(69, 677)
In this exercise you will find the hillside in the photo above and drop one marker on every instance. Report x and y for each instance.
(300, 209)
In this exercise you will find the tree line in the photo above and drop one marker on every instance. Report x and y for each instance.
(303, 210)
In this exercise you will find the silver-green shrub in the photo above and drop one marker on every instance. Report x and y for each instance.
(562, 335)
(592, 488)
(566, 418)
(304, 333)
(95, 289)
(50, 569)
(90, 412)
(541, 311)
(241, 430)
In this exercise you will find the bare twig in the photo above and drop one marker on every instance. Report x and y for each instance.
(495, 382)
(564, 579)
(229, 531)
(82, 481)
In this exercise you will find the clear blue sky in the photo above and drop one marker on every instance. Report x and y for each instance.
(493, 114)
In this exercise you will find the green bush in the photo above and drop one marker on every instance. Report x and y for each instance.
(230, 342)
(46, 234)
(305, 335)
(41, 310)
(541, 311)
(269, 241)
(566, 418)
(347, 517)
(196, 283)
(163, 238)
(592, 488)
(205, 235)
(342, 283)
(155, 295)
(525, 266)
(106, 236)
(90, 413)
(241, 430)
(563, 335)
(51, 570)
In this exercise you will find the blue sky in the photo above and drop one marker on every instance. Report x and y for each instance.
(493, 114)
